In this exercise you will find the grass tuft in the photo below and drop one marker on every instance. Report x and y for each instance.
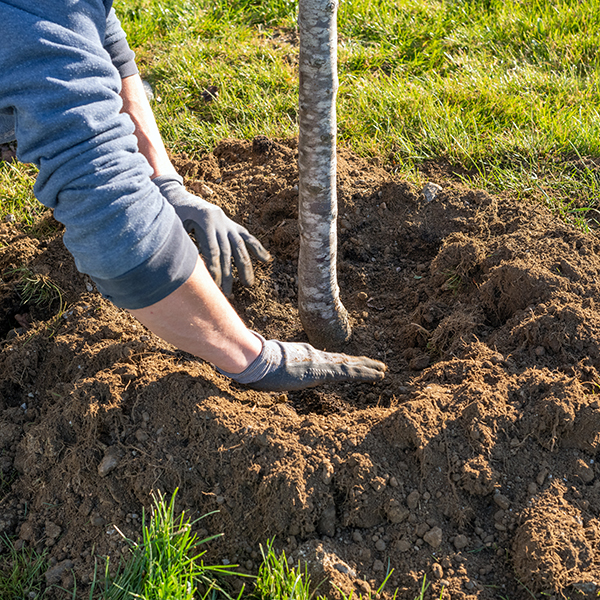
(166, 564)
(276, 579)
(21, 572)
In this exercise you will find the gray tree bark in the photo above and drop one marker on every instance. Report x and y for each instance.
(323, 316)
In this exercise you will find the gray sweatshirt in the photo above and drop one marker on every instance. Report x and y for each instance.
(60, 84)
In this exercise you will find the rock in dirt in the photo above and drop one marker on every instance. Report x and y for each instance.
(52, 530)
(434, 537)
(54, 574)
(109, 462)
(395, 512)
(27, 532)
(437, 570)
(502, 501)
(413, 499)
(461, 541)
(584, 471)
(430, 191)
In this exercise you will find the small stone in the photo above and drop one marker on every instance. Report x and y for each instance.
(378, 566)
(26, 532)
(584, 471)
(55, 574)
(542, 476)
(420, 362)
(437, 570)
(357, 537)
(380, 545)
(502, 501)
(433, 537)
(393, 482)
(141, 435)
(461, 541)
(108, 463)
(205, 190)
(430, 191)
(344, 569)
(540, 351)
(396, 513)
(363, 586)
(328, 472)
(403, 545)
(413, 499)
(52, 530)
(98, 521)
(532, 488)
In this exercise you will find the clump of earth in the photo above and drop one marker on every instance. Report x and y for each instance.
(473, 464)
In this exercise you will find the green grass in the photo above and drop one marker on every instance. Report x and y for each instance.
(17, 201)
(167, 564)
(21, 572)
(505, 91)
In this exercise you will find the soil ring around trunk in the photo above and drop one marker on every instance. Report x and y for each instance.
(473, 463)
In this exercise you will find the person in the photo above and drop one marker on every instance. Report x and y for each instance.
(72, 97)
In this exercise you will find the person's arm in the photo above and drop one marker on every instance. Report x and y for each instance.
(150, 143)
(198, 319)
(219, 238)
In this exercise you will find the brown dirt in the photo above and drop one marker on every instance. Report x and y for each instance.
(473, 463)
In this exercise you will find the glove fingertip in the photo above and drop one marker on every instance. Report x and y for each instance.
(257, 249)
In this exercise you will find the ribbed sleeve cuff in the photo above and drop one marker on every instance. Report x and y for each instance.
(122, 57)
(153, 280)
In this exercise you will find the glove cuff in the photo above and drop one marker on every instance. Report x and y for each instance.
(269, 359)
(185, 204)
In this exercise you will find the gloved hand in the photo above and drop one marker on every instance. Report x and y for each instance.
(286, 366)
(219, 238)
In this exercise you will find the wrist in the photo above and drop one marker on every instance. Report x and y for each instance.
(268, 359)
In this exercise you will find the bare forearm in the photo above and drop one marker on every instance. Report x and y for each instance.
(150, 144)
(198, 319)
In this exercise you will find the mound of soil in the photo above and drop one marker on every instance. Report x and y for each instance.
(472, 463)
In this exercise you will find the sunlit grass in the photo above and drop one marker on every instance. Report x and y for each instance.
(505, 90)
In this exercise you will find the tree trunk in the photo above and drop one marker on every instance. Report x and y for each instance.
(323, 316)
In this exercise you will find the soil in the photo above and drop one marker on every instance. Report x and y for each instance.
(473, 463)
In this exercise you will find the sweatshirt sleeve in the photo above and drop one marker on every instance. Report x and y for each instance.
(115, 43)
(64, 91)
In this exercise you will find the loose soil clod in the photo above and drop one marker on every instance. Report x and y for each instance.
(473, 463)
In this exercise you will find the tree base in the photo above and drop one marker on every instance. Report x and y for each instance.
(331, 334)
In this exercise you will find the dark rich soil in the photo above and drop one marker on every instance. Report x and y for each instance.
(474, 463)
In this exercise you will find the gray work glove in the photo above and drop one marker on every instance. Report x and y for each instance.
(287, 366)
(219, 238)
